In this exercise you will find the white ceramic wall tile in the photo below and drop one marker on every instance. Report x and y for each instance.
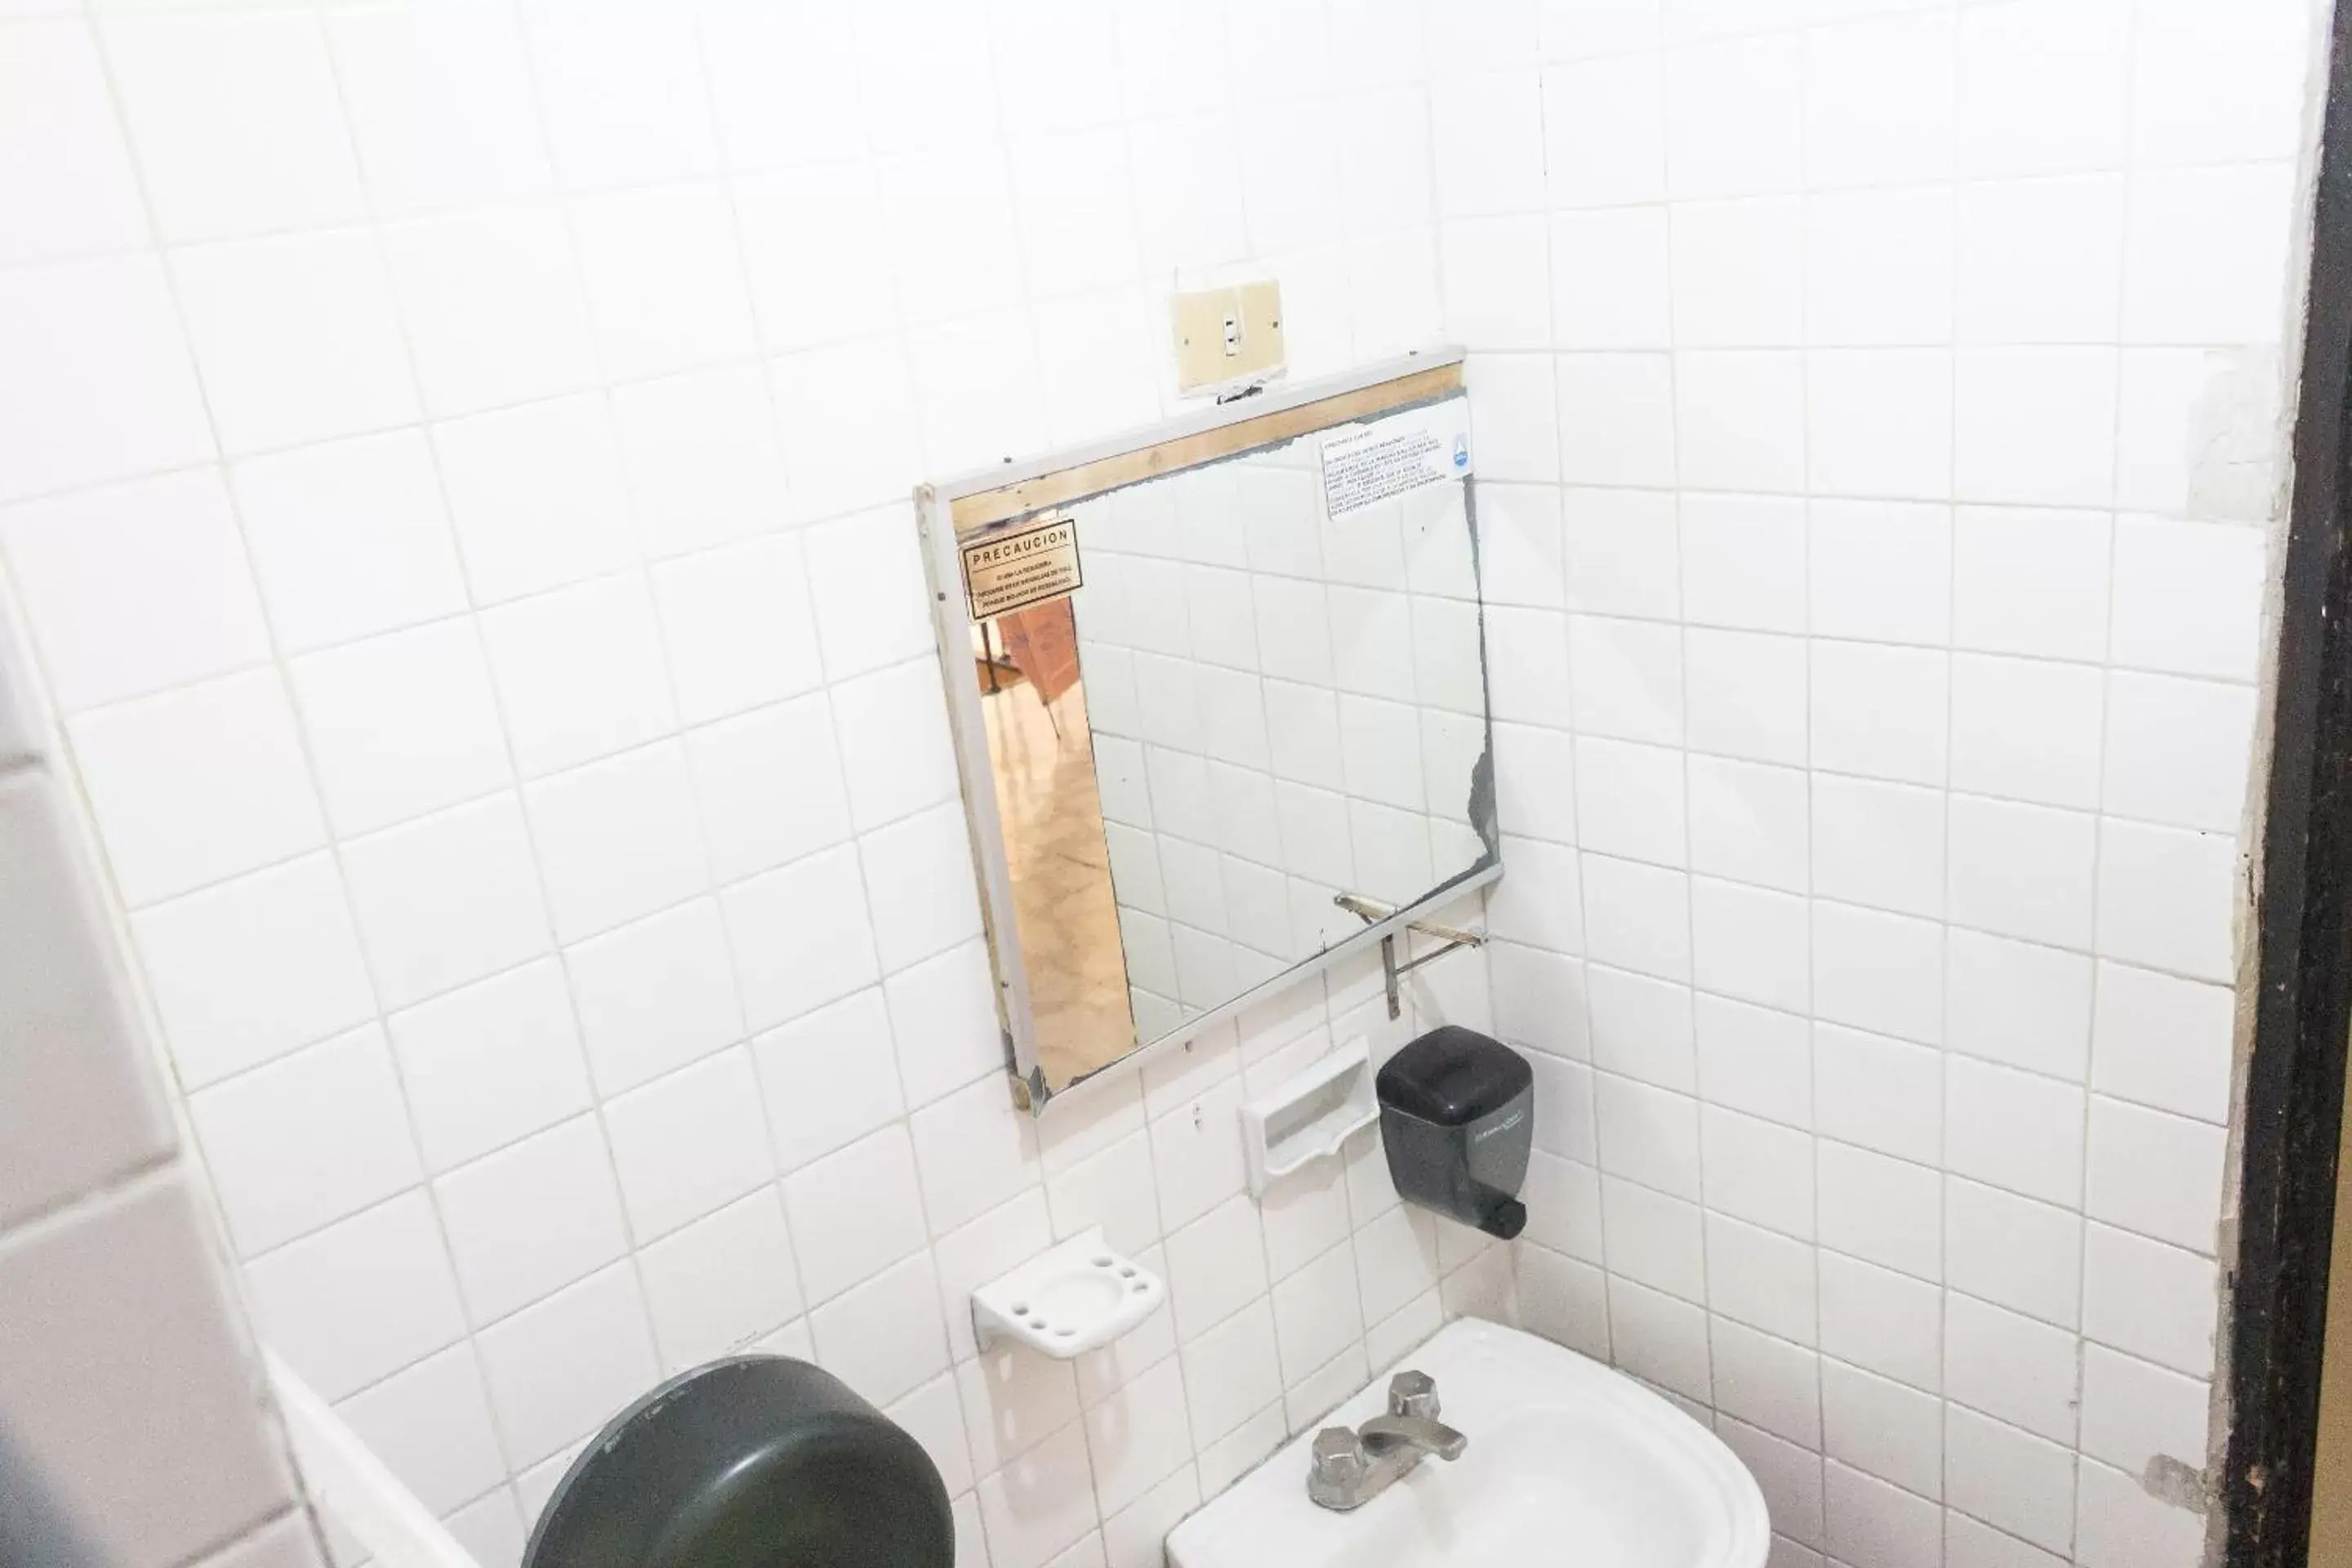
(2040, 260)
(2164, 897)
(492, 304)
(534, 493)
(2157, 1174)
(654, 994)
(193, 786)
(2027, 729)
(665, 278)
(2031, 582)
(306, 1140)
(702, 453)
(491, 1063)
(1882, 1210)
(1879, 266)
(920, 893)
(558, 1370)
(873, 612)
(431, 1423)
(400, 725)
(1740, 422)
(1882, 1428)
(385, 561)
(687, 1143)
(643, 799)
(134, 588)
(102, 386)
(2187, 597)
(296, 338)
(510, 1243)
(2162, 1041)
(440, 106)
(420, 940)
(236, 121)
(1881, 712)
(2013, 1252)
(2018, 1003)
(581, 673)
(2119, 1523)
(622, 95)
(846, 1046)
(2009, 1366)
(885, 1336)
(896, 757)
(251, 968)
(838, 1249)
(2133, 1410)
(359, 1300)
(1882, 1320)
(1877, 422)
(68, 171)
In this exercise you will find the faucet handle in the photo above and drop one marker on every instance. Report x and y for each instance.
(1413, 1394)
(1339, 1457)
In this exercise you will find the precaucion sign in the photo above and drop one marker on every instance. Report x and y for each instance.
(1015, 568)
(1365, 464)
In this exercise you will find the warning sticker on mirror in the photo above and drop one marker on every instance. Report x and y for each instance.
(1011, 569)
(1365, 464)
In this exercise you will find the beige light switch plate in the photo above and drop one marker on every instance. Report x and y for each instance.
(1228, 335)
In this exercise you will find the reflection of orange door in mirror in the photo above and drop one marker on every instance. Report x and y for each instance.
(1042, 644)
(1041, 751)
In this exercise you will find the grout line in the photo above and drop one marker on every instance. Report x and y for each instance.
(37, 1224)
(1805, 360)
(217, 1552)
(2099, 838)
(1944, 968)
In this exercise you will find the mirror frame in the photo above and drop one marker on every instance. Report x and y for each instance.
(1001, 494)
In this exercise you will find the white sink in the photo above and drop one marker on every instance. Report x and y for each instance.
(1569, 1463)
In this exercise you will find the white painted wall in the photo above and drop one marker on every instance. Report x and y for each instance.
(452, 463)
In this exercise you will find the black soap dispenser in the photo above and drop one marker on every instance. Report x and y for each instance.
(1457, 1119)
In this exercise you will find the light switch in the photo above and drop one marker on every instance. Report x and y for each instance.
(1227, 336)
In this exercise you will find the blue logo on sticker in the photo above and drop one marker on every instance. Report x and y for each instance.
(1462, 451)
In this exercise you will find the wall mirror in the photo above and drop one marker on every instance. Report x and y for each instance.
(1219, 698)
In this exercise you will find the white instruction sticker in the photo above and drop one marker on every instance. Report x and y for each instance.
(1364, 465)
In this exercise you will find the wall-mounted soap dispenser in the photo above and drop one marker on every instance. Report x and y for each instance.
(1457, 1119)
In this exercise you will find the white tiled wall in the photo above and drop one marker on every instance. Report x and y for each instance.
(452, 458)
(454, 462)
(1892, 391)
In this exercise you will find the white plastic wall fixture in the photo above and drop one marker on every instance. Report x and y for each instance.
(346, 1480)
(1312, 1113)
(1078, 1298)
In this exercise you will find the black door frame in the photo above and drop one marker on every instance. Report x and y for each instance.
(2295, 1090)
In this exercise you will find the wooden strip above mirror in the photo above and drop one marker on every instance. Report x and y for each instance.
(983, 508)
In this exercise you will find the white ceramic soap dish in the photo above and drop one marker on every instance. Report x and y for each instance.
(1310, 1114)
(1078, 1298)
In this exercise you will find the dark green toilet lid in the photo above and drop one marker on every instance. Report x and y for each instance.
(753, 1462)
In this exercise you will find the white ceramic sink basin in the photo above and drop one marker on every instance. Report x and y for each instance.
(1569, 1463)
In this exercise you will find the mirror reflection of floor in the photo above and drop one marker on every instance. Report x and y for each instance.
(1052, 816)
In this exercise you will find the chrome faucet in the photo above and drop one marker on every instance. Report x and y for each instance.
(1351, 1467)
